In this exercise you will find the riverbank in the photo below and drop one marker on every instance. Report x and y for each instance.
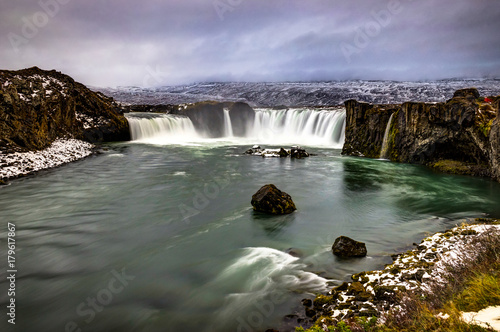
(61, 151)
(424, 279)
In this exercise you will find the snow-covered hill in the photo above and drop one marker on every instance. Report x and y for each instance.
(302, 94)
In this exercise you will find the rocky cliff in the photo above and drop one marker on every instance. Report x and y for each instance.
(208, 117)
(461, 135)
(37, 107)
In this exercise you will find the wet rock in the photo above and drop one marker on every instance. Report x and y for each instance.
(321, 300)
(347, 247)
(298, 152)
(307, 302)
(343, 287)
(271, 200)
(255, 150)
(310, 313)
(283, 153)
(361, 277)
(294, 252)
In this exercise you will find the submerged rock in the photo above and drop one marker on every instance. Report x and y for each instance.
(347, 247)
(294, 252)
(271, 200)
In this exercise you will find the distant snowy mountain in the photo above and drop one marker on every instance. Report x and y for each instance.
(302, 94)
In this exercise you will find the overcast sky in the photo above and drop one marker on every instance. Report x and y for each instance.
(153, 42)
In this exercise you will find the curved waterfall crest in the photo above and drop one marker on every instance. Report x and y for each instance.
(145, 126)
(305, 126)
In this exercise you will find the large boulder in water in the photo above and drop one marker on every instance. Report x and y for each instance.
(270, 199)
(347, 247)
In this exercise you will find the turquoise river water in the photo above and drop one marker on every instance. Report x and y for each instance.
(155, 235)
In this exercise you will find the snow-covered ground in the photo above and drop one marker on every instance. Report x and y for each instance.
(413, 270)
(60, 152)
(487, 318)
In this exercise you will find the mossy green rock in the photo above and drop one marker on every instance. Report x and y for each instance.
(271, 200)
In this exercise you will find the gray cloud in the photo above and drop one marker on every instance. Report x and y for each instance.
(152, 42)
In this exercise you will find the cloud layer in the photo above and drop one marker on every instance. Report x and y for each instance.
(153, 42)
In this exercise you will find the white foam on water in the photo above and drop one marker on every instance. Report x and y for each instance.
(263, 276)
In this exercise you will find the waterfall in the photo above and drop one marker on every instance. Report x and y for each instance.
(385, 143)
(303, 126)
(228, 127)
(312, 127)
(161, 128)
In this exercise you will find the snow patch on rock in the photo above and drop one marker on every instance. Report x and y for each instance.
(60, 152)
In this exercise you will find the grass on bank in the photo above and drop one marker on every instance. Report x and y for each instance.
(469, 285)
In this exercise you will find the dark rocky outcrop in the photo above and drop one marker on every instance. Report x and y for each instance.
(271, 200)
(365, 128)
(38, 106)
(346, 247)
(208, 117)
(459, 136)
(298, 152)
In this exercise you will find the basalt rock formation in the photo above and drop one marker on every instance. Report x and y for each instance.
(38, 106)
(461, 135)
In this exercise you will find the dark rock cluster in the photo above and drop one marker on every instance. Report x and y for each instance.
(295, 152)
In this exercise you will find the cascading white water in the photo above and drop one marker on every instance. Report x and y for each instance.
(228, 127)
(161, 128)
(302, 126)
(271, 127)
(385, 143)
